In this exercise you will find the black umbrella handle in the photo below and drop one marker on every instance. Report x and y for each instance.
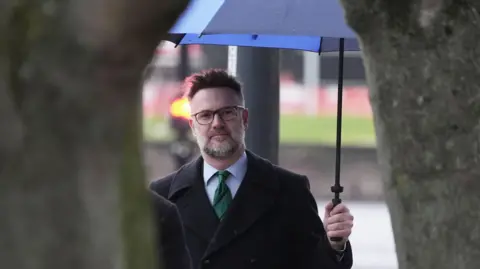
(336, 201)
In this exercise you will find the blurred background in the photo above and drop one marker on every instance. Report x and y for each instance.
(307, 132)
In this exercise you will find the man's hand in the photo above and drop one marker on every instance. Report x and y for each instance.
(338, 223)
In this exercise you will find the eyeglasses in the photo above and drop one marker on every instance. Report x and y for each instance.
(225, 113)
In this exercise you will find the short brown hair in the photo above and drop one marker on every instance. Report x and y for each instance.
(211, 78)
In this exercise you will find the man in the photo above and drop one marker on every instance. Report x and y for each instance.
(170, 234)
(239, 210)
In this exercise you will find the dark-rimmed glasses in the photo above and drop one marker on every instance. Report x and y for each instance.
(225, 113)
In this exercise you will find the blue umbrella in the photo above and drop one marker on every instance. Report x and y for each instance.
(309, 25)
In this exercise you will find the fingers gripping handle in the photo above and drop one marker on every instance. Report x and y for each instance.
(336, 201)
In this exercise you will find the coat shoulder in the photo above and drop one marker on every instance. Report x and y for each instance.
(287, 179)
(290, 179)
(161, 204)
(161, 186)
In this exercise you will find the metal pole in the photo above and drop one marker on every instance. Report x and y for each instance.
(311, 82)
(258, 70)
(183, 68)
(181, 147)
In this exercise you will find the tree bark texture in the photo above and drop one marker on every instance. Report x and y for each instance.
(422, 61)
(72, 189)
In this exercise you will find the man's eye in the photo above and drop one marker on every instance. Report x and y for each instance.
(229, 112)
(205, 115)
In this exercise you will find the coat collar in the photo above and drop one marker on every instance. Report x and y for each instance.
(187, 176)
(256, 195)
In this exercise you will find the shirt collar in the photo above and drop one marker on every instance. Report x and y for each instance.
(237, 170)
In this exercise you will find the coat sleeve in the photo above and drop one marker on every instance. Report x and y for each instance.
(313, 249)
(172, 240)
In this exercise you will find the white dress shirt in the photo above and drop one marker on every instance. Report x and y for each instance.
(237, 173)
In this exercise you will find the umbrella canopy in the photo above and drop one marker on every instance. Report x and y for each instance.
(309, 25)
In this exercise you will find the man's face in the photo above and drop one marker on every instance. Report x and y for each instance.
(220, 121)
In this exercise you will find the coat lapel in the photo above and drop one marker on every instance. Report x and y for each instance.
(255, 196)
(188, 192)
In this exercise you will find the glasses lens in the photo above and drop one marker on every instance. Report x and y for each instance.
(204, 117)
(229, 113)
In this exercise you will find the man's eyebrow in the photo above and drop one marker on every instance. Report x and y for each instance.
(212, 110)
(227, 106)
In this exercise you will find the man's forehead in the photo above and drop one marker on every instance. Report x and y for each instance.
(214, 98)
(217, 92)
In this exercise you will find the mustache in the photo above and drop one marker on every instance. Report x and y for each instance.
(218, 132)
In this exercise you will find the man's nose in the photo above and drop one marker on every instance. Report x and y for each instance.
(217, 121)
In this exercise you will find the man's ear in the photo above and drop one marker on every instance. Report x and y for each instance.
(190, 123)
(245, 118)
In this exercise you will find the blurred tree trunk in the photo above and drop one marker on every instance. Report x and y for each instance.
(422, 63)
(72, 190)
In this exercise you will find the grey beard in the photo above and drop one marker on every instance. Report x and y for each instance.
(220, 153)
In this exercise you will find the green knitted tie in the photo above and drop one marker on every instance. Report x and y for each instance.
(223, 196)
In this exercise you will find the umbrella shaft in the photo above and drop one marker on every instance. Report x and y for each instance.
(339, 112)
